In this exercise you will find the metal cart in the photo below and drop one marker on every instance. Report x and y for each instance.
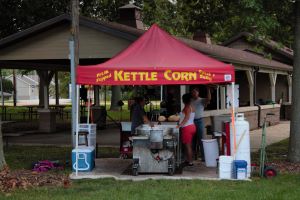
(156, 156)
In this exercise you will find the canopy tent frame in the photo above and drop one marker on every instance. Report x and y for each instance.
(156, 58)
(89, 112)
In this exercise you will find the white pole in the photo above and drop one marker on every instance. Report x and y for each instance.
(182, 92)
(233, 119)
(89, 107)
(161, 93)
(77, 124)
(218, 93)
(232, 96)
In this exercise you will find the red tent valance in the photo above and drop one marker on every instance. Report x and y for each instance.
(156, 58)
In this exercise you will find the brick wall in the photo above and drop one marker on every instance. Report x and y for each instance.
(251, 115)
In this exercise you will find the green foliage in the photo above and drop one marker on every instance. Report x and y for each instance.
(102, 9)
(17, 15)
(220, 18)
(64, 81)
(7, 86)
(223, 19)
(164, 13)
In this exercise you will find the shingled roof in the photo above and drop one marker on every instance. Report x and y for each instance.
(275, 46)
(221, 53)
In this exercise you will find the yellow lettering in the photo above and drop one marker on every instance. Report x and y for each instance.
(126, 76)
(184, 76)
(166, 75)
(148, 76)
(176, 76)
(134, 75)
(118, 75)
(142, 75)
(192, 76)
(153, 76)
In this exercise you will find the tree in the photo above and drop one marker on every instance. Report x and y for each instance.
(2, 159)
(294, 143)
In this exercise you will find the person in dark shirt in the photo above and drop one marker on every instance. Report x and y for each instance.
(138, 114)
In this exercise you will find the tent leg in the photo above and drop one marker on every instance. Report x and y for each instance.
(77, 123)
(89, 107)
(233, 119)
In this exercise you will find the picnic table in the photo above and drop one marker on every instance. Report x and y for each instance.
(3, 111)
(59, 109)
(6, 136)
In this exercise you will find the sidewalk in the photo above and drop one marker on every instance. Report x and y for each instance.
(111, 137)
(274, 134)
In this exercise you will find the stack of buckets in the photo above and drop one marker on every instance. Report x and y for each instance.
(239, 166)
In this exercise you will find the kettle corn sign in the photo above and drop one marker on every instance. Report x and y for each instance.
(154, 76)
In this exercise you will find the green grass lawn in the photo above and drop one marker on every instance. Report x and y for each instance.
(284, 186)
(22, 157)
(16, 113)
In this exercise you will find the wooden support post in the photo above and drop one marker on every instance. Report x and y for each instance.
(273, 78)
(223, 97)
(15, 88)
(96, 96)
(289, 80)
(251, 86)
(182, 92)
(56, 89)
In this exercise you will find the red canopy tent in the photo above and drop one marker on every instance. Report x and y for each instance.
(156, 58)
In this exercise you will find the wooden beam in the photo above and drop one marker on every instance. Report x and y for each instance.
(251, 86)
(273, 77)
(56, 89)
(289, 81)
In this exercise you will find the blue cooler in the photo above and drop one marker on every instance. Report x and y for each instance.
(240, 169)
(86, 158)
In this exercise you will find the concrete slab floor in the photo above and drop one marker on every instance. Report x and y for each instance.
(115, 168)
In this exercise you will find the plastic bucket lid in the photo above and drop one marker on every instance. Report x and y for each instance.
(240, 163)
(225, 159)
(208, 140)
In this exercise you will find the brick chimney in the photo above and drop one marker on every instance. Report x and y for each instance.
(202, 37)
(130, 15)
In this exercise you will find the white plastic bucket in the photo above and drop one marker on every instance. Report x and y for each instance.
(225, 167)
(211, 152)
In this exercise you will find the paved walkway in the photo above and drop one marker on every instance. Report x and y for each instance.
(110, 137)
(274, 134)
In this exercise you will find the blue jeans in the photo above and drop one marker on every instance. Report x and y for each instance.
(197, 140)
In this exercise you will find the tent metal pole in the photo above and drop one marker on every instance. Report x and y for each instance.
(218, 93)
(89, 107)
(233, 118)
(77, 124)
(161, 93)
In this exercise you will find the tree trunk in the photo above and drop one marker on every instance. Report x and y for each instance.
(115, 97)
(2, 159)
(294, 143)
